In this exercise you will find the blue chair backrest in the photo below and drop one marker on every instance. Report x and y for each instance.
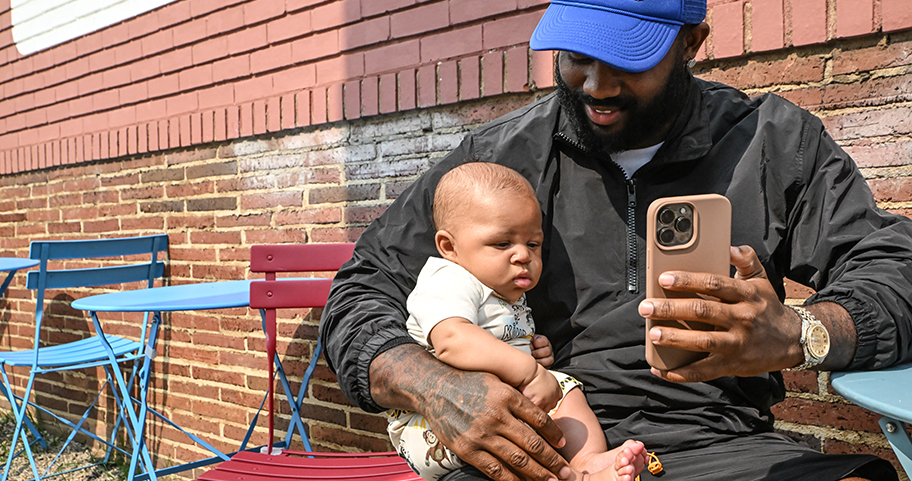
(45, 278)
(96, 248)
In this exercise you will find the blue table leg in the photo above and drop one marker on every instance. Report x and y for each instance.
(899, 440)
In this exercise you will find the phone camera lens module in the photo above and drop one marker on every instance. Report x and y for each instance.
(666, 236)
(683, 224)
(666, 216)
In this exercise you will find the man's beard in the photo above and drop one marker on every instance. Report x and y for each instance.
(643, 120)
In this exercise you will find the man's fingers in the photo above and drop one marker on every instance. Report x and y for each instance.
(747, 263)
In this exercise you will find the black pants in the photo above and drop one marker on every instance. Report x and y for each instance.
(770, 456)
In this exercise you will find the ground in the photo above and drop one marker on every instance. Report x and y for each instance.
(75, 455)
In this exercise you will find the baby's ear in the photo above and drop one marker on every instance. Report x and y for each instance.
(446, 245)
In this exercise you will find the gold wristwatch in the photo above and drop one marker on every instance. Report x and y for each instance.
(815, 340)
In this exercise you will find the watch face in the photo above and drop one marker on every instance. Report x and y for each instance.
(818, 341)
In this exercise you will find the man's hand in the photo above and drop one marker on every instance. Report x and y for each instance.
(487, 423)
(754, 332)
(541, 350)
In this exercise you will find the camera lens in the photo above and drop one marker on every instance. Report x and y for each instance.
(666, 216)
(666, 236)
(683, 224)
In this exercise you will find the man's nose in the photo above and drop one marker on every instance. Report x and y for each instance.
(602, 80)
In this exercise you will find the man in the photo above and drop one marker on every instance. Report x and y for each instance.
(627, 125)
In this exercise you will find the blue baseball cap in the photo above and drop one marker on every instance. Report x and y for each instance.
(630, 35)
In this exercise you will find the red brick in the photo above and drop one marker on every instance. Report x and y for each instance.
(195, 77)
(427, 86)
(368, 32)
(176, 60)
(245, 124)
(255, 88)
(260, 10)
(448, 82)
(509, 31)
(351, 98)
(288, 111)
(334, 14)
(517, 69)
(542, 69)
(231, 68)
(896, 15)
(809, 22)
(819, 413)
(318, 106)
(189, 32)
(233, 122)
(767, 25)
(273, 115)
(854, 17)
(209, 50)
(451, 44)
(270, 58)
(218, 96)
(182, 104)
(294, 79)
(251, 38)
(469, 78)
(315, 46)
(370, 102)
(220, 125)
(728, 30)
(224, 20)
(419, 20)
(340, 68)
(376, 7)
(335, 103)
(871, 58)
(387, 93)
(388, 58)
(290, 26)
(493, 74)
(302, 109)
(158, 42)
(185, 131)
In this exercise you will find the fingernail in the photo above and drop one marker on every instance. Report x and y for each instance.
(646, 308)
(666, 280)
(565, 472)
(655, 334)
(735, 250)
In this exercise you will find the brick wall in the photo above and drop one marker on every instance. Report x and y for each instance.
(280, 146)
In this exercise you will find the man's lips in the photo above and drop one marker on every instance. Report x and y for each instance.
(603, 115)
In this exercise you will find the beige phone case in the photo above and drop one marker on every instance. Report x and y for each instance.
(706, 250)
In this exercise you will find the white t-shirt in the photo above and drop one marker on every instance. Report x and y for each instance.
(631, 160)
(445, 289)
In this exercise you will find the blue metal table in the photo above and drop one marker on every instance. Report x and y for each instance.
(187, 297)
(11, 265)
(887, 392)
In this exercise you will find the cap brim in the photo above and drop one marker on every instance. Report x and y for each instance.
(627, 43)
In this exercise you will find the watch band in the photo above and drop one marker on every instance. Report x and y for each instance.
(808, 321)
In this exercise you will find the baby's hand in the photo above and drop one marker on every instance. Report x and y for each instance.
(541, 350)
(543, 390)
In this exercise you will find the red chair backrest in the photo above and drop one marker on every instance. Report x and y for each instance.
(271, 294)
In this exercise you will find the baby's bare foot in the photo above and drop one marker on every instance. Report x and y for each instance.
(623, 463)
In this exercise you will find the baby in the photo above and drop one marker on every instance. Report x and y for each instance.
(469, 310)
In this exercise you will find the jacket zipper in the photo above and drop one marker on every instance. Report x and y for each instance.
(632, 277)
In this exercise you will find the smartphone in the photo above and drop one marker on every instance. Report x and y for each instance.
(687, 233)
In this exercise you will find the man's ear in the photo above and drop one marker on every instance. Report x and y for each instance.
(446, 245)
(694, 38)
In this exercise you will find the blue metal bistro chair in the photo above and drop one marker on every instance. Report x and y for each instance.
(99, 349)
(887, 392)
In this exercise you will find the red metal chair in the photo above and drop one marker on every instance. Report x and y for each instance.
(269, 295)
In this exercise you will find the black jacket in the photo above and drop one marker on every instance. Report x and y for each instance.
(797, 199)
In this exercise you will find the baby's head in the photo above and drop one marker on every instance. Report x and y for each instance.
(489, 222)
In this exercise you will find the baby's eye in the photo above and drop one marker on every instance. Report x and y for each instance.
(533, 245)
(502, 245)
